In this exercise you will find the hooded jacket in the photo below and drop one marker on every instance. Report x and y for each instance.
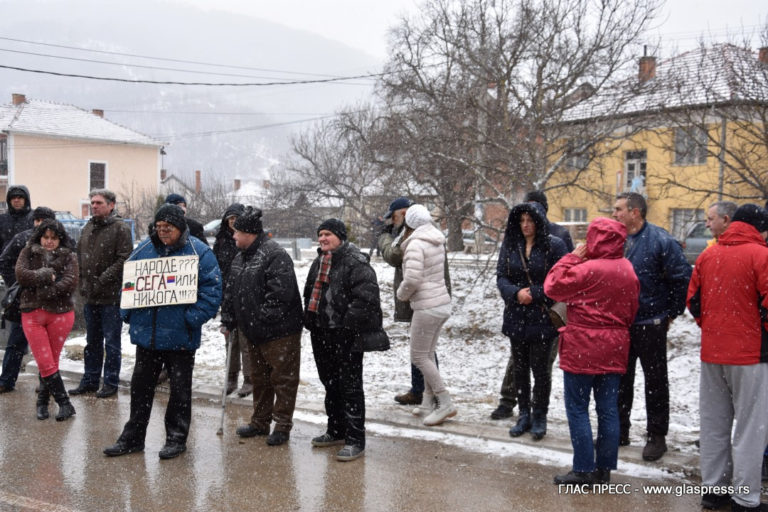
(601, 293)
(261, 297)
(423, 269)
(15, 221)
(176, 327)
(102, 249)
(727, 292)
(224, 247)
(511, 276)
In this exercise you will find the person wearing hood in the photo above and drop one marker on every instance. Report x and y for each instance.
(196, 229)
(19, 215)
(424, 287)
(341, 304)
(728, 298)
(527, 253)
(601, 291)
(103, 247)
(225, 249)
(167, 335)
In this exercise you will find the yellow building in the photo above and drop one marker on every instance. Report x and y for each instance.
(686, 132)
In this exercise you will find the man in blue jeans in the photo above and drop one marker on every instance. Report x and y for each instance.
(104, 245)
(17, 342)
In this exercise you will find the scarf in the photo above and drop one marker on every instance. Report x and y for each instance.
(322, 277)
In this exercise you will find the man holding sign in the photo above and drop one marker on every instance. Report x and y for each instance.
(171, 287)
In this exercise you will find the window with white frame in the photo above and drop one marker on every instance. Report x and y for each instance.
(574, 214)
(635, 165)
(578, 154)
(98, 175)
(681, 220)
(690, 145)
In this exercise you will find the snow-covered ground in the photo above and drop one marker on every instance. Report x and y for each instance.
(473, 356)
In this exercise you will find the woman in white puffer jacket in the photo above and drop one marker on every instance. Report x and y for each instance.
(424, 286)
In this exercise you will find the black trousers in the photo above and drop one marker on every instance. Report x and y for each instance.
(531, 353)
(649, 344)
(178, 413)
(341, 372)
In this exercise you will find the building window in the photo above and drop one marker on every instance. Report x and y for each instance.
(577, 155)
(690, 146)
(3, 170)
(635, 164)
(683, 219)
(98, 175)
(575, 215)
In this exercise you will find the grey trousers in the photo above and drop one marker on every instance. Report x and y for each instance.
(425, 331)
(731, 394)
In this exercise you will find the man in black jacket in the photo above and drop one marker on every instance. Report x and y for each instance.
(17, 341)
(195, 228)
(19, 215)
(262, 306)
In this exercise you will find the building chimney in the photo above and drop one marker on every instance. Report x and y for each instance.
(763, 55)
(98, 112)
(237, 184)
(18, 99)
(265, 184)
(163, 174)
(198, 182)
(647, 68)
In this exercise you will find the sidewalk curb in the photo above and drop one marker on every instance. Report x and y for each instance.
(673, 462)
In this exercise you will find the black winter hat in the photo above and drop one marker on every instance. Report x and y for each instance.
(171, 214)
(175, 199)
(335, 226)
(539, 197)
(753, 215)
(250, 221)
(43, 212)
(398, 204)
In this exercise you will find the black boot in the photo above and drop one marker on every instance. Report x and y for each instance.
(56, 387)
(539, 424)
(523, 424)
(43, 397)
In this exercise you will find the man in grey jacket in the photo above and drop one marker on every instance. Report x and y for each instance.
(104, 245)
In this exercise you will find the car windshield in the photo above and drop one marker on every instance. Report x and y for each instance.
(212, 225)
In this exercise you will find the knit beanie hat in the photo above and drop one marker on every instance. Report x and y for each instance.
(172, 214)
(250, 221)
(335, 226)
(175, 199)
(43, 212)
(417, 216)
(753, 215)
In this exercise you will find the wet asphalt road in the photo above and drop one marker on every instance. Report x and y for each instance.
(53, 466)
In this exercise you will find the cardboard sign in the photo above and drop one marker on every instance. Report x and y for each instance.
(159, 282)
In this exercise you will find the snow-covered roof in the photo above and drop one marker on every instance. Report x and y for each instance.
(35, 117)
(720, 74)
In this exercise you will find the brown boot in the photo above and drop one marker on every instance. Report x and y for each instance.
(246, 389)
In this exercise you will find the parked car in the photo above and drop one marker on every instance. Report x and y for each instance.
(696, 241)
(211, 228)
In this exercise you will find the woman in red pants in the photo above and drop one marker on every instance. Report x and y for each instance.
(47, 274)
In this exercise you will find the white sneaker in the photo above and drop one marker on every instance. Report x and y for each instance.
(427, 405)
(443, 411)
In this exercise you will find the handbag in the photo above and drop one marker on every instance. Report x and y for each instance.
(375, 341)
(12, 303)
(558, 311)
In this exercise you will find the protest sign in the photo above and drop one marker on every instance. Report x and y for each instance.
(159, 282)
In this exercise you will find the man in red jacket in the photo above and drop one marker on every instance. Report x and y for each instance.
(727, 296)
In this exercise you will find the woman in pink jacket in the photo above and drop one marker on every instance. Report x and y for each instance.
(424, 287)
(601, 289)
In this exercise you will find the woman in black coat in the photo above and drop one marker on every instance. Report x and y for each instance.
(526, 255)
(341, 299)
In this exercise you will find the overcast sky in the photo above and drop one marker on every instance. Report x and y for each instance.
(363, 23)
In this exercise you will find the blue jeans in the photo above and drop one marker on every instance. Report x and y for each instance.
(577, 389)
(14, 352)
(103, 325)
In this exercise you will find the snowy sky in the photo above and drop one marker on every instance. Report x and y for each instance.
(363, 24)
